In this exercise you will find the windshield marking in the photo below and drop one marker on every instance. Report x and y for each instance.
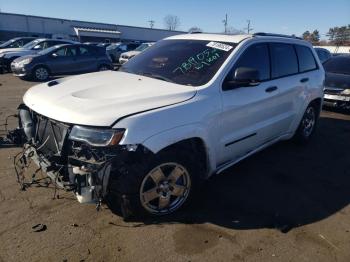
(197, 62)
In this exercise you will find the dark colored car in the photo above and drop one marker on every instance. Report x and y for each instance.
(323, 54)
(61, 60)
(7, 55)
(337, 85)
(116, 49)
(16, 42)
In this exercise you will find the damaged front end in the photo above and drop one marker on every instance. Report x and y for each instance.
(75, 158)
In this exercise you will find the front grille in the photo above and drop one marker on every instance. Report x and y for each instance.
(50, 136)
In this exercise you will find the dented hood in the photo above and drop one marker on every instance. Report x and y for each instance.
(100, 99)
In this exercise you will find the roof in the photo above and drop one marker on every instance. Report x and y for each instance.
(96, 30)
(212, 37)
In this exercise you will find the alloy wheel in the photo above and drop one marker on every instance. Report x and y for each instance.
(41, 73)
(165, 188)
(309, 121)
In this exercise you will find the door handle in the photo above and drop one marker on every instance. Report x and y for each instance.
(303, 80)
(271, 89)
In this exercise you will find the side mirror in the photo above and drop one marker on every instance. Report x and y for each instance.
(37, 47)
(54, 55)
(243, 76)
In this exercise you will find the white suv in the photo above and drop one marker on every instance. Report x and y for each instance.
(183, 110)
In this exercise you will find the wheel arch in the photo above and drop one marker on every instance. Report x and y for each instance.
(191, 140)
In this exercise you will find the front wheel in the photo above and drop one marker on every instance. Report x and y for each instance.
(161, 186)
(307, 124)
(41, 73)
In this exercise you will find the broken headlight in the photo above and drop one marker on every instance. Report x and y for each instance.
(96, 136)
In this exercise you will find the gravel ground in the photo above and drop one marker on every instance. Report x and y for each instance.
(287, 203)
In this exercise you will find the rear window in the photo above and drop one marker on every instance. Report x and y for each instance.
(283, 60)
(306, 58)
(338, 65)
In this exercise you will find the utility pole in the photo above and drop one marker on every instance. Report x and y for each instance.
(248, 28)
(151, 23)
(225, 23)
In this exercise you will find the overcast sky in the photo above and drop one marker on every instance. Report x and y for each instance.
(278, 16)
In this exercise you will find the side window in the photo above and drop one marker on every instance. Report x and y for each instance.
(84, 51)
(257, 57)
(283, 60)
(53, 43)
(306, 58)
(66, 51)
(40, 46)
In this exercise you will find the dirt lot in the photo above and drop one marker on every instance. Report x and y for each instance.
(287, 203)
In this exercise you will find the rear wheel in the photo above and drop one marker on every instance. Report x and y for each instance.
(307, 124)
(41, 73)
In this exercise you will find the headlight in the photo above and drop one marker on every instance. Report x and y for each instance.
(24, 61)
(346, 92)
(96, 136)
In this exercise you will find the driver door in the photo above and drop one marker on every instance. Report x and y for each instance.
(64, 60)
(249, 112)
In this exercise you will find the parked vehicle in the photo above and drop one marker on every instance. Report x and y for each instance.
(62, 59)
(124, 57)
(187, 108)
(115, 50)
(337, 89)
(7, 55)
(105, 45)
(323, 54)
(16, 42)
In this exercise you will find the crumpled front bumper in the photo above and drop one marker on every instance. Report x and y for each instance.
(336, 100)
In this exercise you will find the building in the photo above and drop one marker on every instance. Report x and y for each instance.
(14, 25)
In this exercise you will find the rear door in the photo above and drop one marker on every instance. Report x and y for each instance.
(64, 60)
(249, 113)
(292, 84)
(87, 58)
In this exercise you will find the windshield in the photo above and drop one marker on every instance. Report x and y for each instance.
(185, 62)
(142, 47)
(338, 65)
(114, 45)
(31, 44)
(48, 50)
(5, 44)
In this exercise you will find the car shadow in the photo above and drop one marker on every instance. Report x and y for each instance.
(282, 187)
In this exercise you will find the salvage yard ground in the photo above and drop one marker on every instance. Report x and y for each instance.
(287, 203)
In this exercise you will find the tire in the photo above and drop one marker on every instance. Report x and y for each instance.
(41, 73)
(307, 125)
(158, 187)
(104, 68)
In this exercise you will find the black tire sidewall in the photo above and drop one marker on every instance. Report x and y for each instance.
(299, 136)
(130, 184)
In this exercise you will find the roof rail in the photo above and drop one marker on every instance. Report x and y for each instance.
(277, 35)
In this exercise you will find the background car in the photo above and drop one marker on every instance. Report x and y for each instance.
(9, 54)
(323, 54)
(124, 57)
(337, 84)
(62, 59)
(16, 42)
(116, 49)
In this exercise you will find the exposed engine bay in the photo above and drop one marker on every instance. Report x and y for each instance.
(70, 165)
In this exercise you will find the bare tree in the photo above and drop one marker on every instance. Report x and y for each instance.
(171, 22)
(233, 31)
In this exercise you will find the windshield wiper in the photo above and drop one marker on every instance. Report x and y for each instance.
(155, 76)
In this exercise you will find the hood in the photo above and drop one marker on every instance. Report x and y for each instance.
(24, 57)
(100, 99)
(337, 81)
(130, 53)
(17, 52)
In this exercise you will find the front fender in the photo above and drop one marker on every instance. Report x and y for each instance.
(169, 137)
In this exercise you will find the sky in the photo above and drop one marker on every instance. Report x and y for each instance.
(275, 16)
